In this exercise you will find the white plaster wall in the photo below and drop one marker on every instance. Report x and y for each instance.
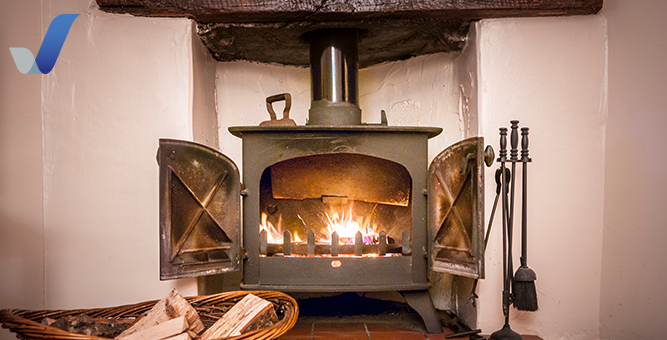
(242, 88)
(633, 295)
(79, 194)
(21, 233)
(204, 110)
(120, 84)
(550, 74)
(422, 91)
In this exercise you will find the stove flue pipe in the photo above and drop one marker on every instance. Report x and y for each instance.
(334, 73)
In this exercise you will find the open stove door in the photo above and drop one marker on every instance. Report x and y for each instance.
(456, 209)
(199, 211)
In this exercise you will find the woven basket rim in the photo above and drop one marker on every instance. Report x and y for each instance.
(25, 323)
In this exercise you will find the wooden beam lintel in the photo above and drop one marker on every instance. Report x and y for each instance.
(230, 11)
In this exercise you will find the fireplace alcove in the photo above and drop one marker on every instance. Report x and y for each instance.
(237, 254)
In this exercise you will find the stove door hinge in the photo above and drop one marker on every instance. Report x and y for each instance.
(244, 255)
(243, 191)
(425, 192)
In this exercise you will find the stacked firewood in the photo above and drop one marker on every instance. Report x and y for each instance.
(173, 318)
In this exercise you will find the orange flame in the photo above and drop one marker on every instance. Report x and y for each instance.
(340, 220)
(273, 234)
(346, 226)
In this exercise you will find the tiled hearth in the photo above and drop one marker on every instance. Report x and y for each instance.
(323, 330)
(351, 317)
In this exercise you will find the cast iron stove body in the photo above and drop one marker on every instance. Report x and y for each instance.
(306, 188)
(323, 170)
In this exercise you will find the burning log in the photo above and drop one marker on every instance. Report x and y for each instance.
(358, 244)
(338, 250)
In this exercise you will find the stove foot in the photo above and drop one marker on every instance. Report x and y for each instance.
(420, 301)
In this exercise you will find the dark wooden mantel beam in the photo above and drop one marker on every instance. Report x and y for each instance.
(271, 30)
(228, 11)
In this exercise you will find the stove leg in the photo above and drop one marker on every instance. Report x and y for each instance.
(420, 301)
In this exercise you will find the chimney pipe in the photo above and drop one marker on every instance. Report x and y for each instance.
(334, 73)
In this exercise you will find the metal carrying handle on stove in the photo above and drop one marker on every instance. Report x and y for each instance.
(275, 98)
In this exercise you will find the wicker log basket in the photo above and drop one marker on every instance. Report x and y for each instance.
(26, 323)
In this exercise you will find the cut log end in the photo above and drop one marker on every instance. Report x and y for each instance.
(249, 314)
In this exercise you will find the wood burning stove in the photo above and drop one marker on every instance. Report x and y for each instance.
(332, 206)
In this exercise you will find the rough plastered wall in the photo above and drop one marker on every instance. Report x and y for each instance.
(633, 295)
(204, 111)
(21, 233)
(242, 88)
(120, 84)
(550, 74)
(79, 185)
(422, 91)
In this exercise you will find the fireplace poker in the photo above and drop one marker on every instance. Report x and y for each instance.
(498, 177)
(525, 294)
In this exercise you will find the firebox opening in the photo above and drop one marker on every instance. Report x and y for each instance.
(337, 204)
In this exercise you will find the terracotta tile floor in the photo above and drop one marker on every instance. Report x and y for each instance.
(323, 330)
(375, 330)
(353, 317)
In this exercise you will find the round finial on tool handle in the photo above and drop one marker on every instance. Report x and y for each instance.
(514, 140)
(502, 155)
(524, 145)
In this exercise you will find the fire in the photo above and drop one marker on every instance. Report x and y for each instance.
(340, 220)
(347, 226)
(273, 235)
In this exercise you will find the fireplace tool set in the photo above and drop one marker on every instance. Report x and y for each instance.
(518, 288)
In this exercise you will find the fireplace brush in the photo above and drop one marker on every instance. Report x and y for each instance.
(525, 294)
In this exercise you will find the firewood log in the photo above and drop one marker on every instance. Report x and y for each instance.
(248, 314)
(160, 331)
(172, 306)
